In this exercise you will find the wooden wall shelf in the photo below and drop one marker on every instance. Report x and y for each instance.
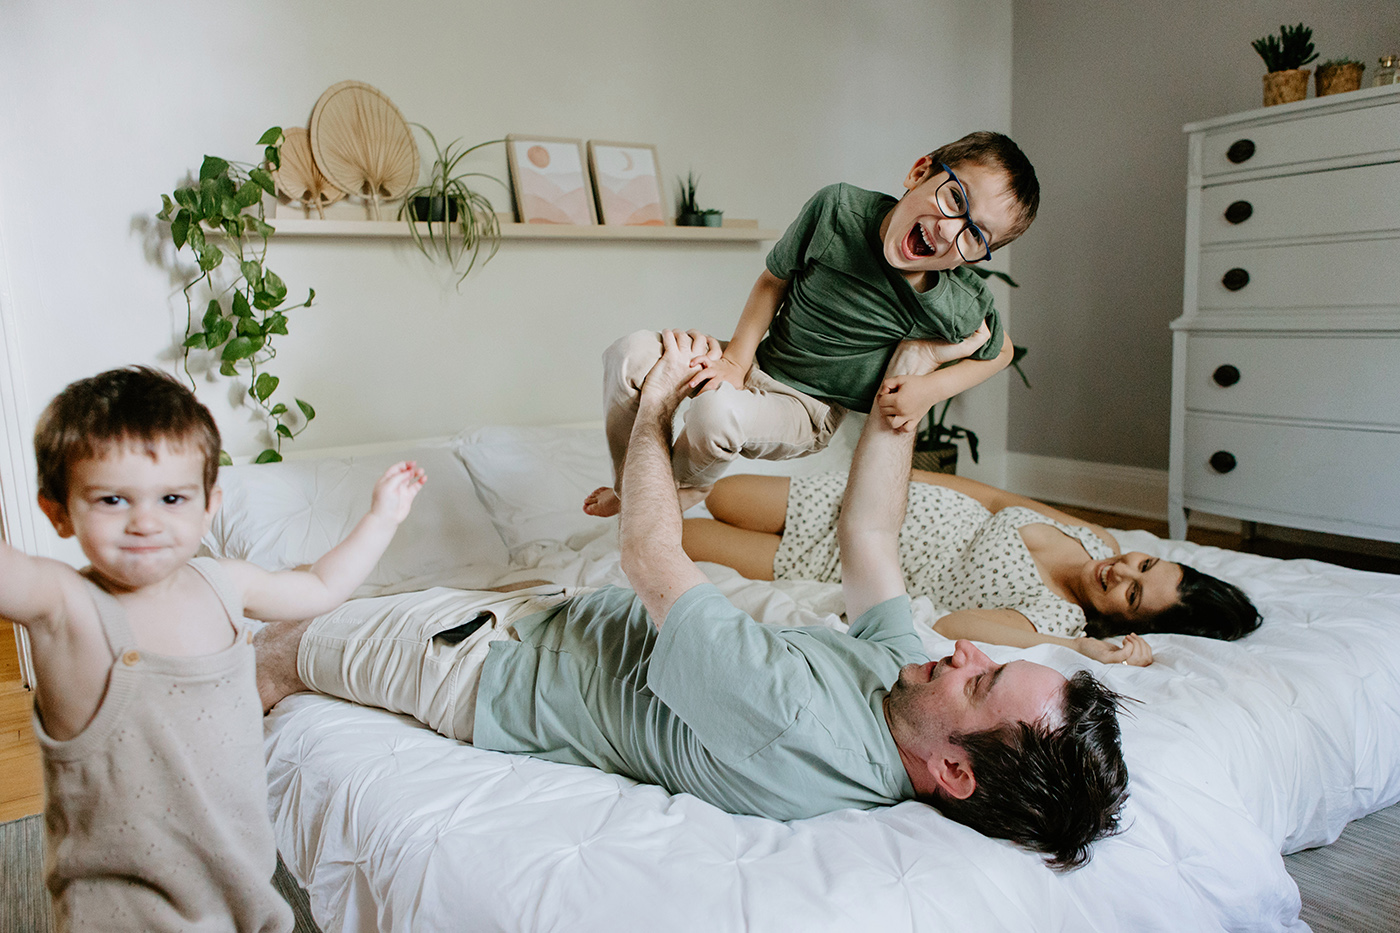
(736, 233)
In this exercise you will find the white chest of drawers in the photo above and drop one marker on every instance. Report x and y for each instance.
(1286, 359)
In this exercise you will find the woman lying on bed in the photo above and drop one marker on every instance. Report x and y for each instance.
(1012, 570)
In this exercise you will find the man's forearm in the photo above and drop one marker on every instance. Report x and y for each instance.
(878, 488)
(651, 512)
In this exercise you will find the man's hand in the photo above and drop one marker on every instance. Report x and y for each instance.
(395, 491)
(683, 355)
(1135, 650)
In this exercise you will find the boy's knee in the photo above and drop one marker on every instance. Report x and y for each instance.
(630, 358)
(712, 424)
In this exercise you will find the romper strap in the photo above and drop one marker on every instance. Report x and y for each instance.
(218, 579)
(112, 617)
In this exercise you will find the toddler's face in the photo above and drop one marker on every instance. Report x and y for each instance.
(919, 237)
(138, 518)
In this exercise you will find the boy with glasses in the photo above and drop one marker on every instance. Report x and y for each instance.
(857, 273)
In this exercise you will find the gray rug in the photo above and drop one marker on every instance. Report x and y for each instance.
(24, 904)
(1353, 885)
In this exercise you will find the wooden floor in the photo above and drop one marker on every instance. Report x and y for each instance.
(21, 781)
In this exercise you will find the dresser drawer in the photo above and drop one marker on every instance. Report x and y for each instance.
(1351, 274)
(1351, 200)
(1318, 473)
(1348, 378)
(1297, 142)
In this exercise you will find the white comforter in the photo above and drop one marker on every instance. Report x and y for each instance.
(1238, 752)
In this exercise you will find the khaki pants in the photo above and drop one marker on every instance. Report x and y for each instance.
(766, 420)
(399, 652)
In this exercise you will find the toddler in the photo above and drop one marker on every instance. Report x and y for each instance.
(146, 704)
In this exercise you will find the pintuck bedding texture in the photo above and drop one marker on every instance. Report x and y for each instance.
(1239, 752)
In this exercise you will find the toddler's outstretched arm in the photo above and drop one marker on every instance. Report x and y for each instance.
(913, 382)
(302, 594)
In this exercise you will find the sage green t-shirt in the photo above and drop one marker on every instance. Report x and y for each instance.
(755, 719)
(846, 308)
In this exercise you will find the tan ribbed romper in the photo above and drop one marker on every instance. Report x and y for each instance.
(156, 815)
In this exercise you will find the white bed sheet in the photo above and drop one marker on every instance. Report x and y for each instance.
(1238, 752)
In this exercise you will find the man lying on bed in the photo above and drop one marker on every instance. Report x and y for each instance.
(672, 685)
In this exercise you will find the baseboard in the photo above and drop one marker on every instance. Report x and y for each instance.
(1108, 487)
(1142, 493)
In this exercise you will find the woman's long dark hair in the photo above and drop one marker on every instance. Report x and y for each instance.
(1206, 606)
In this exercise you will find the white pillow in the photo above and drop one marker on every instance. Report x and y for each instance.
(533, 480)
(281, 515)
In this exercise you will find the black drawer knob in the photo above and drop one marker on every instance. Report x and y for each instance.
(1226, 375)
(1241, 150)
(1222, 461)
(1239, 212)
(1235, 279)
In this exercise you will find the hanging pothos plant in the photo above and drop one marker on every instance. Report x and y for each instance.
(220, 217)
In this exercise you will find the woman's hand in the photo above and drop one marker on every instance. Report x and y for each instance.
(1135, 650)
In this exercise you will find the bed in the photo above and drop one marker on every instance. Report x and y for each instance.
(1239, 752)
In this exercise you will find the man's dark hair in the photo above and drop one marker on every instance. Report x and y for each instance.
(1053, 790)
(1206, 606)
(996, 150)
(136, 405)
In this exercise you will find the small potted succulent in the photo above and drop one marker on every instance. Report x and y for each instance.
(1285, 55)
(1338, 75)
(689, 213)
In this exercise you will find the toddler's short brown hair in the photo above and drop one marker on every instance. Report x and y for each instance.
(134, 405)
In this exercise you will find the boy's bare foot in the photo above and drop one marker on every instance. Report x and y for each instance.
(602, 502)
(276, 648)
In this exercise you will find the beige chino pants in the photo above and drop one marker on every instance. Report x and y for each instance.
(766, 420)
(390, 652)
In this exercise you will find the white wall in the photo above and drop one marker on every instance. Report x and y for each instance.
(1101, 90)
(107, 105)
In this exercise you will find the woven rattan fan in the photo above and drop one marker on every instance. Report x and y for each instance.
(362, 144)
(298, 178)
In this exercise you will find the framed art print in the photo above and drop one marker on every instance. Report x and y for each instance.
(549, 180)
(627, 184)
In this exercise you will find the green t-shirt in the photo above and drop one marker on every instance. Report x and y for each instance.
(755, 719)
(846, 308)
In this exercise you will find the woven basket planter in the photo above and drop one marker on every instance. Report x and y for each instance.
(1337, 79)
(940, 459)
(1284, 87)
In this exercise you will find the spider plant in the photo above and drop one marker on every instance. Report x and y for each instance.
(468, 224)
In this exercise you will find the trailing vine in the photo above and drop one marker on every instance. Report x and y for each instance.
(245, 314)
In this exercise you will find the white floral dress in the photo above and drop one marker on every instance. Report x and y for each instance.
(952, 548)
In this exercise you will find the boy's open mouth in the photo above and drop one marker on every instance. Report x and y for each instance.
(917, 242)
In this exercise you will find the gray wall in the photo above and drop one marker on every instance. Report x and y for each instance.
(1100, 90)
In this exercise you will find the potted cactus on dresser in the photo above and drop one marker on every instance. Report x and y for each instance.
(1285, 55)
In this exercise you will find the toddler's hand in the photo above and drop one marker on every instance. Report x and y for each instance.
(396, 489)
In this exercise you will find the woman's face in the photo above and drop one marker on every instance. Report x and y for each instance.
(1129, 586)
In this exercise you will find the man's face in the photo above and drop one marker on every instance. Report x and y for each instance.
(918, 235)
(967, 692)
(137, 517)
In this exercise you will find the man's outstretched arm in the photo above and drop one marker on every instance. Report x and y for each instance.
(871, 515)
(877, 491)
(650, 532)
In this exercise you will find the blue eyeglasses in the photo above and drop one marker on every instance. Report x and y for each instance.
(951, 198)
